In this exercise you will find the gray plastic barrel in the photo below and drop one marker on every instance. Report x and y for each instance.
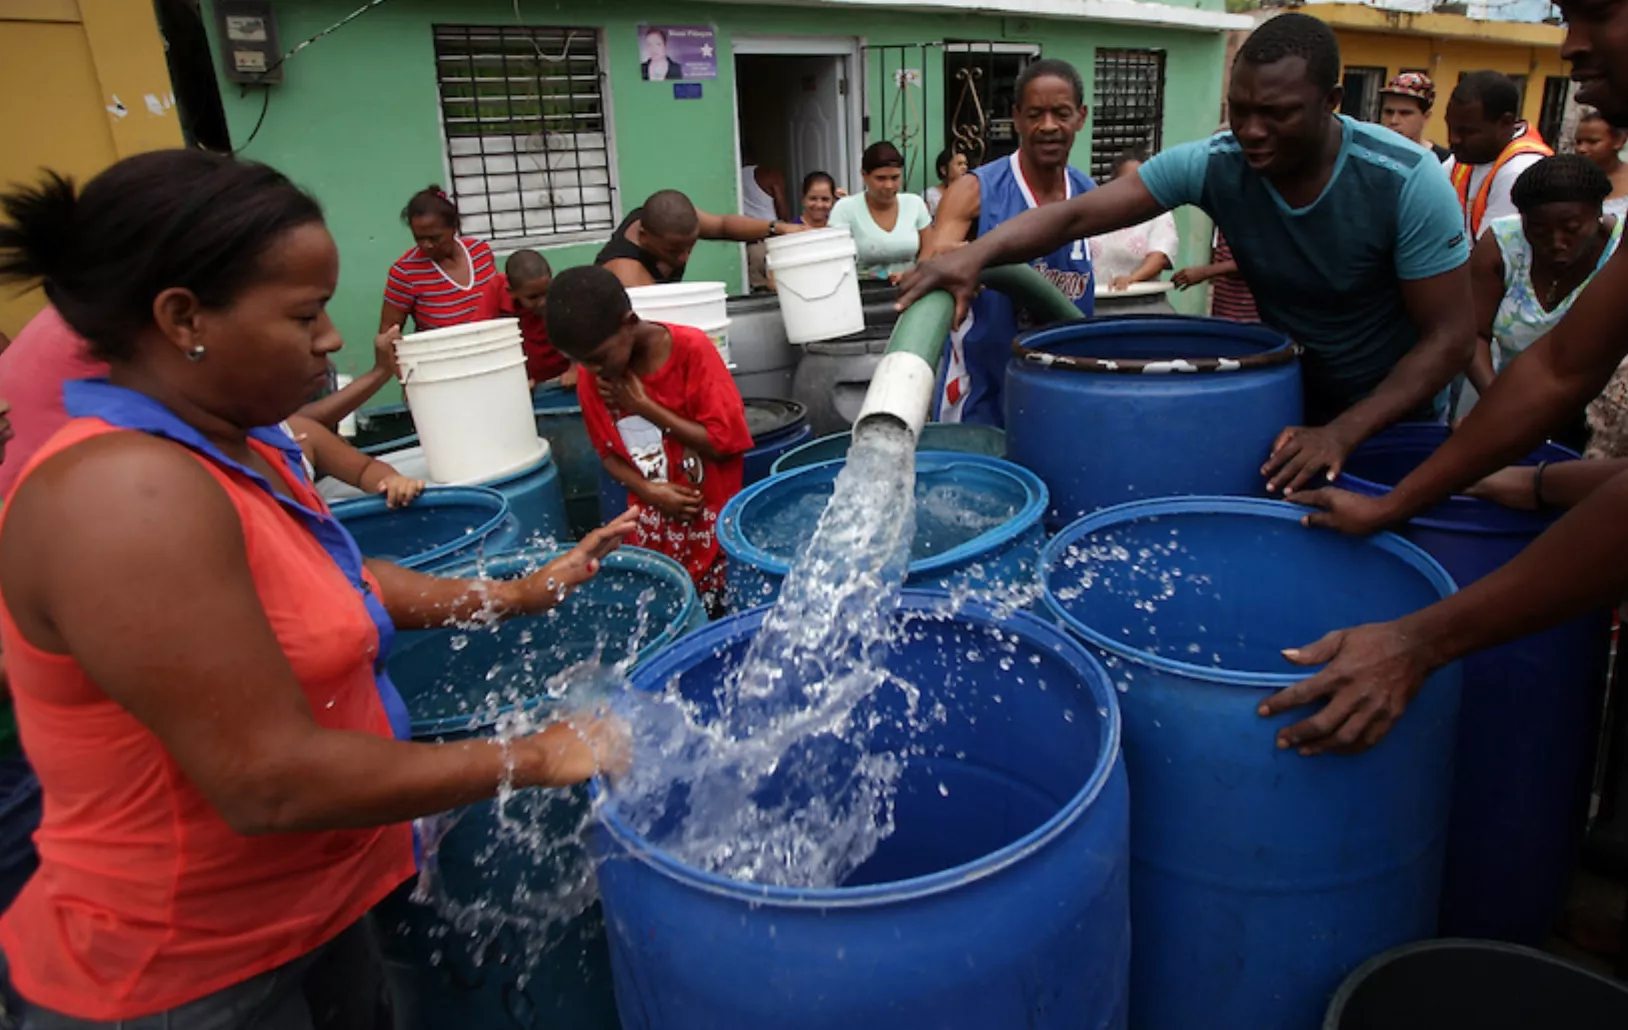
(763, 358)
(833, 377)
(1487, 985)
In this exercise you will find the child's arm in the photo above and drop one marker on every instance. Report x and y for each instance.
(332, 456)
(628, 394)
(332, 409)
(681, 502)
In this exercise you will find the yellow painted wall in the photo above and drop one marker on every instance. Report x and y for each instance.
(62, 64)
(1444, 59)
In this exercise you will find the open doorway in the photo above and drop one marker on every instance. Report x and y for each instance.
(796, 109)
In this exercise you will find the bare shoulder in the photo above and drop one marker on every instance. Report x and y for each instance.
(112, 479)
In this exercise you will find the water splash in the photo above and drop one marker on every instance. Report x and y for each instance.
(776, 780)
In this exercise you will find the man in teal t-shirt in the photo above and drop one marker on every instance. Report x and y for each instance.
(1350, 237)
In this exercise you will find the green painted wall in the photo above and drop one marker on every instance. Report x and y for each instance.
(356, 120)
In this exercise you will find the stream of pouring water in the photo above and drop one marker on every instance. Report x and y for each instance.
(772, 781)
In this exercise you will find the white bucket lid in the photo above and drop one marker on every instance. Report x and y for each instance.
(807, 238)
(664, 294)
(454, 332)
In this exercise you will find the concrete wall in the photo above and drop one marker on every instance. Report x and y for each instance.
(85, 84)
(357, 123)
(1445, 59)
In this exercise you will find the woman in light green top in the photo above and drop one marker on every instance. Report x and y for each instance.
(1528, 268)
(886, 224)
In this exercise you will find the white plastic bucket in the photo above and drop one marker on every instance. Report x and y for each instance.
(692, 304)
(472, 407)
(817, 280)
(458, 337)
(719, 335)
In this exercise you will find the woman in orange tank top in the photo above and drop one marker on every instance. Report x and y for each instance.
(195, 646)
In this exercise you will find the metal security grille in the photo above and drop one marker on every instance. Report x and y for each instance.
(523, 113)
(972, 82)
(1362, 86)
(1127, 112)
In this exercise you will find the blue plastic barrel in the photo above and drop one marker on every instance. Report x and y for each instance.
(958, 437)
(1531, 720)
(777, 426)
(537, 499)
(999, 901)
(559, 421)
(478, 975)
(445, 524)
(987, 533)
(1117, 409)
(386, 428)
(1259, 878)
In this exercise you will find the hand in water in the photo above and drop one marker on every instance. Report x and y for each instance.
(1346, 512)
(1372, 673)
(679, 502)
(577, 748)
(399, 490)
(1300, 453)
(956, 271)
(384, 350)
(550, 585)
(1513, 487)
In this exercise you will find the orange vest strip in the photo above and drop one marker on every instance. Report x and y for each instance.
(1528, 142)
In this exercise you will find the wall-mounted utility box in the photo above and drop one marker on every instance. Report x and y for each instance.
(248, 41)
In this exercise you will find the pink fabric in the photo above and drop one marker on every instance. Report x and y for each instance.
(46, 354)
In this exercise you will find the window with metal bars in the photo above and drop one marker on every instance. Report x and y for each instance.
(1127, 110)
(1362, 86)
(1552, 118)
(527, 133)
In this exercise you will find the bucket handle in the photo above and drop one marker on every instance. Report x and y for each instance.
(1148, 366)
(836, 285)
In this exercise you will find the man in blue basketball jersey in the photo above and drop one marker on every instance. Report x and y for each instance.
(1049, 113)
(1350, 237)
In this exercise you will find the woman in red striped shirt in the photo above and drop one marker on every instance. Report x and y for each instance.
(439, 282)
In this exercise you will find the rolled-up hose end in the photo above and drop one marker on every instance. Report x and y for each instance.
(901, 389)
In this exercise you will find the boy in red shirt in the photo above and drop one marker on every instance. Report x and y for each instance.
(521, 291)
(664, 415)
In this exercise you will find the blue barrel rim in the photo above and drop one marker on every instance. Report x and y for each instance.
(738, 548)
(781, 463)
(433, 497)
(1030, 349)
(673, 659)
(1453, 515)
(524, 559)
(1132, 511)
(1359, 976)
